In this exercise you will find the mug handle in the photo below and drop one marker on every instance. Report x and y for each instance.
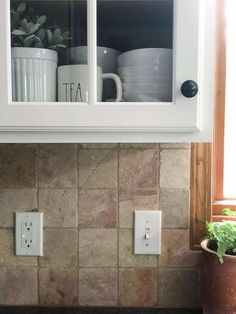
(117, 80)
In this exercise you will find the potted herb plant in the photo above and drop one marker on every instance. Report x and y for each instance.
(219, 267)
(33, 54)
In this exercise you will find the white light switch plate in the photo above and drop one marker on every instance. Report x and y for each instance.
(147, 232)
(29, 233)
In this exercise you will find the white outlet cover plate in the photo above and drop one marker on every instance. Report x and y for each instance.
(147, 221)
(29, 233)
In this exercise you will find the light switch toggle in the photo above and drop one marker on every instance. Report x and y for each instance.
(147, 234)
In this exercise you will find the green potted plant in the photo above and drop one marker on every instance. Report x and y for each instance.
(34, 57)
(219, 267)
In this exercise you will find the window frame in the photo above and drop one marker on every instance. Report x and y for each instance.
(207, 160)
(218, 200)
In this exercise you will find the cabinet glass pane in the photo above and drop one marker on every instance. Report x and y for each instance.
(135, 41)
(47, 65)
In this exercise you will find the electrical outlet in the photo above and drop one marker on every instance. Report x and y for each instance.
(29, 233)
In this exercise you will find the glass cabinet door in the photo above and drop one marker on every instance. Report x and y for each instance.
(135, 41)
(45, 67)
(49, 51)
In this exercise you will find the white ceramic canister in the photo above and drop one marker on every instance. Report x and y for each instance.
(33, 74)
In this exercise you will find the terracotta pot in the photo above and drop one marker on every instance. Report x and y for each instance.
(218, 282)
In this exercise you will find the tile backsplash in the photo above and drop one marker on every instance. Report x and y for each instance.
(88, 193)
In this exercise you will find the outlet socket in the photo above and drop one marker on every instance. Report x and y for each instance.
(29, 233)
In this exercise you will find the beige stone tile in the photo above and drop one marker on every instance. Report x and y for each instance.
(15, 200)
(59, 207)
(98, 248)
(7, 251)
(138, 287)
(130, 200)
(58, 286)
(98, 145)
(175, 145)
(177, 288)
(175, 208)
(60, 248)
(139, 145)
(175, 169)
(138, 168)
(98, 169)
(97, 208)
(176, 250)
(57, 166)
(12, 289)
(98, 287)
(17, 166)
(126, 254)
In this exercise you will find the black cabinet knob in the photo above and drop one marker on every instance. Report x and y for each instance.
(189, 89)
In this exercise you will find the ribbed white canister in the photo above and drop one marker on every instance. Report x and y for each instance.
(33, 74)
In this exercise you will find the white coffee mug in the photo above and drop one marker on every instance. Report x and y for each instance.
(73, 83)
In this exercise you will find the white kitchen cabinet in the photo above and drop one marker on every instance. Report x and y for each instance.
(186, 27)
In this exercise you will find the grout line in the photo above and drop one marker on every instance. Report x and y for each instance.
(37, 207)
(118, 228)
(78, 229)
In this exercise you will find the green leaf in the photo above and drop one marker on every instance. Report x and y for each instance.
(66, 35)
(32, 37)
(15, 17)
(18, 32)
(33, 28)
(57, 32)
(57, 40)
(23, 24)
(49, 33)
(224, 235)
(61, 45)
(41, 20)
(228, 212)
(21, 7)
(41, 34)
(28, 41)
(39, 45)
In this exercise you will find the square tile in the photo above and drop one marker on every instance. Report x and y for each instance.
(138, 168)
(12, 291)
(127, 258)
(131, 200)
(177, 288)
(60, 248)
(17, 166)
(15, 200)
(58, 286)
(138, 287)
(98, 168)
(175, 169)
(176, 251)
(7, 251)
(97, 248)
(175, 208)
(59, 207)
(97, 208)
(98, 287)
(57, 165)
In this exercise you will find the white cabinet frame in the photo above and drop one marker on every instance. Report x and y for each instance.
(185, 119)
